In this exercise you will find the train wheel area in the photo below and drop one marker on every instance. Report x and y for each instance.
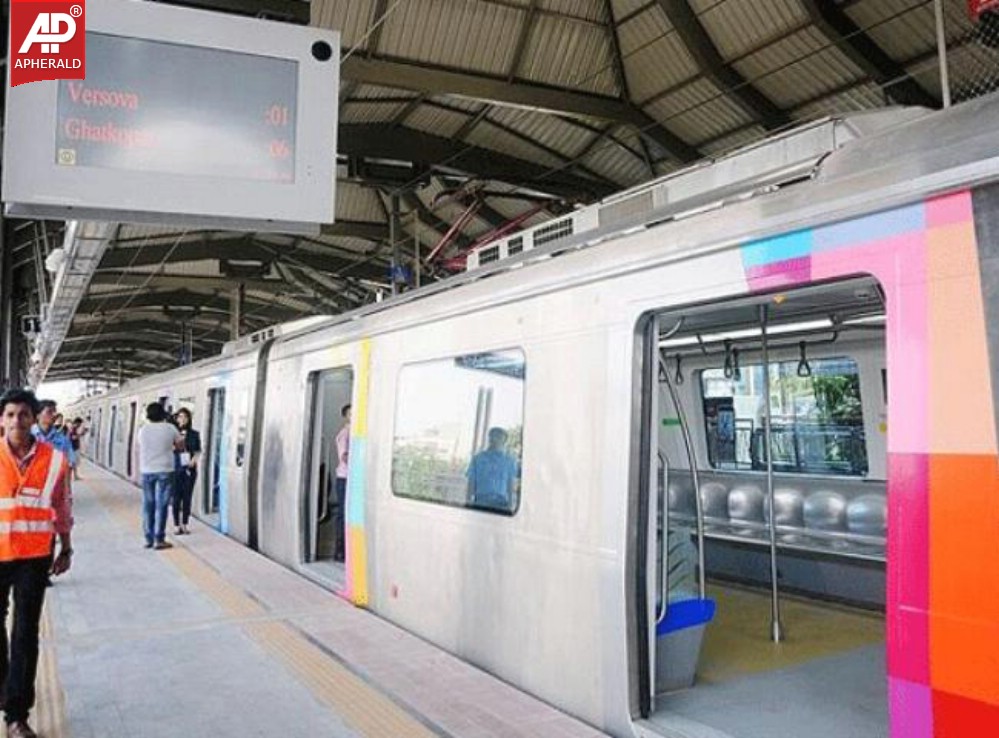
(210, 638)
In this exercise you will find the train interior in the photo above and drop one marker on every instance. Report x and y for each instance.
(324, 537)
(772, 619)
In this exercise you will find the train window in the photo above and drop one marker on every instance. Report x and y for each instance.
(816, 420)
(458, 430)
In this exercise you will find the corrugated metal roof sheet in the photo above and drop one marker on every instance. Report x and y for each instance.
(436, 120)
(655, 57)
(459, 103)
(616, 164)
(624, 8)
(358, 112)
(355, 202)
(591, 10)
(903, 28)
(462, 34)
(799, 68)
(862, 97)
(736, 26)
(698, 112)
(557, 134)
(374, 92)
(490, 137)
(725, 144)
(569, 54)
(350, 18)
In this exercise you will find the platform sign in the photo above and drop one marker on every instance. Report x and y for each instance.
(31, 325)
(185, 117)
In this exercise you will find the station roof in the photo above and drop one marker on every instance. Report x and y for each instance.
(481, 116)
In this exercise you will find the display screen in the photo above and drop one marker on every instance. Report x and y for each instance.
(160, 107)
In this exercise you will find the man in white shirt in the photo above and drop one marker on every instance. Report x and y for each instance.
(155, 444)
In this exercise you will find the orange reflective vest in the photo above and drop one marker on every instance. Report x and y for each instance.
(27, 518)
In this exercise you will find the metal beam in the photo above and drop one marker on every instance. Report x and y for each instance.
(176, 281)
(526, 25)
(218, 302)
(120, 348)
(408, 109)
(377, 24)
(385, 141)
(588, 173)
(850, 39)
(726, 78)
(429, 219)
(356, 229)
(291, 11)
(422, 78)
(244, 248)
(121, 338)
(325, 297)
(86, 327)
(619, 71)
(469, 125)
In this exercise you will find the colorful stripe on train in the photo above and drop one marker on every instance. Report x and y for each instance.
(356, 585)
(943, 468)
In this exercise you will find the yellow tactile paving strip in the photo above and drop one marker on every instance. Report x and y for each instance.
(363, 708)
(50, 701)
(738, 640)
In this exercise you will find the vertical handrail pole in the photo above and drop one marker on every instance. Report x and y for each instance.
(776, 629)
(942, 52)
(664, 541)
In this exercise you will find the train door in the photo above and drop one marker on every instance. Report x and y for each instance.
(215, 447)
(95, 436)
(111, 433)
(762, 549)
(131, 438)
(325, 499)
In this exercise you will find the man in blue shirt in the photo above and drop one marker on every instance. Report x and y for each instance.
(492, 475)
(46, 430)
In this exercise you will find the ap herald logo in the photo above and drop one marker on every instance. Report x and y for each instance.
(48, 40)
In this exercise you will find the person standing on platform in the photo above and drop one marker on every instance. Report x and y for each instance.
(156, 442)
(76, 434)
(35, 507)
(342, 460)
(185, 471)
(46, 429)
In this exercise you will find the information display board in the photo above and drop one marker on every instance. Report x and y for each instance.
(185, 117)
(126, 115)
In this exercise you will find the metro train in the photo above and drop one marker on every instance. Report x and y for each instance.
(804, 331)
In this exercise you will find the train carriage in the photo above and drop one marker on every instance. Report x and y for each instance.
(769, 381)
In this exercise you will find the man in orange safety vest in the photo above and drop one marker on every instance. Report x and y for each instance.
(35, 506)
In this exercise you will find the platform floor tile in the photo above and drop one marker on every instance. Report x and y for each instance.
(210, 639)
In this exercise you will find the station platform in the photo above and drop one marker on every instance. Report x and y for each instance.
(209, 639)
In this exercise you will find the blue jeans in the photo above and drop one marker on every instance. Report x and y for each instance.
(157, 489)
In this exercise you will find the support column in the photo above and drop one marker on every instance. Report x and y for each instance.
(236, 310)
(7, 350)
(394, 231)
